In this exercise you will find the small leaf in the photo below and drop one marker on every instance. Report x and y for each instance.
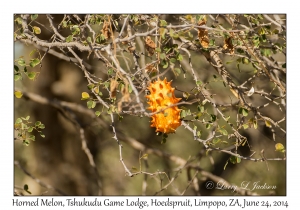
(198, 133)
(245, 126)
(27, 118)
(223, 131)
(34, 62)
(162, 56)
(157, 49)
(243, 111)
(173, 60)
(134, 168)
(30, 129)
(217, 140)
(33, 17)
(17, 77)
(89, 39)
(207, 126)
(90, 86)
(37, 123)
(91, 104)
(213, 117)
(179, 57)
(166, 65)
(198, 83)
(36, 30)
(97, 113)
(18, 94)
(255, 124)
(69, 38)
(19, 120)
(182, 114)
(235, 160)
(268, 124)
(21, 62)
(31, 137)
(163, 23)
(26, 142)
(41, 126)
(85, 96)
(144, 156)
(42, 135)
(16, 68)
(279, 147)
(31, 75)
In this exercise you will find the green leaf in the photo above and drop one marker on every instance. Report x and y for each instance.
(182, 114)
(42, 135)
(16, 68)
(37, 123)
(34, 62)
(245, 126)
(110, 71)
(33, 17)
(166, 65)
(19, 120)
(75, 29)
(235, 160)
(207, 126)
(91, 104)
(213, 117)
(85, 96)
(129, 89)
(268, 123)
(31, 137)
(21, 62)
(217, 140)
(26, 142)
(173, 60)
(18, 21)
(223, 131)
(17, 77)
(41, 126)
(18, 94)
(30, 129)
(243, 111)
(163, 23)
(90, 86)
(198, 83)
(255, 124)
(31, 75)
(283, 65)
(162, 56)
(279, 147)
(36, 30)
(97, 113)
(89, 39)
(179, 57)
(157, 49)
(69, 38)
